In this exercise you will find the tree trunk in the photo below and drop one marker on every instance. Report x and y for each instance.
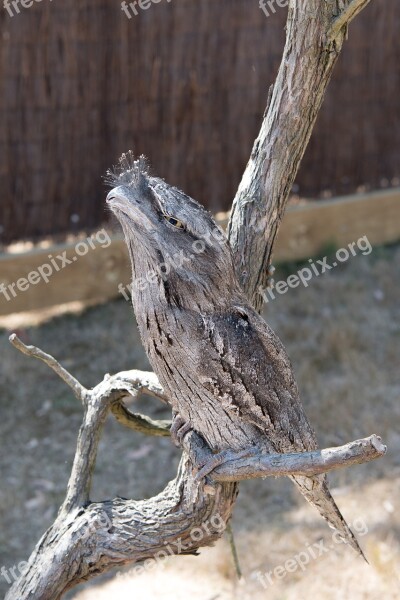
(315, 32)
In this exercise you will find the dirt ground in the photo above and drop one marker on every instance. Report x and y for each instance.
(343, 335)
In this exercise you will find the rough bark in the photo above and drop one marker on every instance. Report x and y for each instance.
(89, 538)
(315, 33)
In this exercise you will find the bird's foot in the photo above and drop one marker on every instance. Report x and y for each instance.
(270, 277)
(204, 460)
(179, 429)
(213, 461)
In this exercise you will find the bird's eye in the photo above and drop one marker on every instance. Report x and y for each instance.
(174, 221)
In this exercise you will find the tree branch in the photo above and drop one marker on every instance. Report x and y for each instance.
(93, 537)
(78, 389)
(136, 382)
(296, 98)
(306, 463)
(350, 11)
(101, 536)
(98, 402)
(140, 423)
(89, 538)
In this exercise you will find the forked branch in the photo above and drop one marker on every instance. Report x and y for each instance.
(314, 37)
(349, 12)
(97, 536)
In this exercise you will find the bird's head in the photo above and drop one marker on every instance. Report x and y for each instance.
(174, 243)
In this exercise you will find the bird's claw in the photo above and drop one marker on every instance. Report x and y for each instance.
(270, 277)
(179, 429)
(203, 459)
(215, 460)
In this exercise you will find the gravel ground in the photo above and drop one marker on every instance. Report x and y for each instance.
(343, 335)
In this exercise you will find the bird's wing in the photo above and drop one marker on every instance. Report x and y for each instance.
(246, 367)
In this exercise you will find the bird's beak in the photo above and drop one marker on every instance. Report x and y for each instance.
(123, 207)
(117, 201)
(110, 196)
(113, 196)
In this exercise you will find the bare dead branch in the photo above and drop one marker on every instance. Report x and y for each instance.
(134, 382)
(140, 423)
(350, 11)
(78, 489)
(292, 109)
(307, 463)
(78, 389)
(116, 533)
(95, 537)
(98, 402)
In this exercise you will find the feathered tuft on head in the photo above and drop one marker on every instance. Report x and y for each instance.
(130, 171)
(134, 174)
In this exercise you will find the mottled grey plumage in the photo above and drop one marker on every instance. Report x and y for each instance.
(222, 367)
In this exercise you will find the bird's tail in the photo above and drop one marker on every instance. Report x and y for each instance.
(315, 490)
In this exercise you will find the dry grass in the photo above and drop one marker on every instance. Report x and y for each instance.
(343, 335)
